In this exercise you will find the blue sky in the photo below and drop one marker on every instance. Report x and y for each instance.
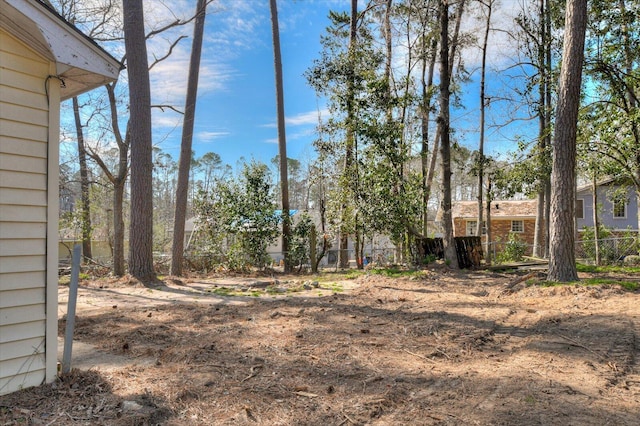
(235, 113)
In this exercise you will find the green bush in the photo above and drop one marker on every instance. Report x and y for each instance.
(514, 250)
(299, 244)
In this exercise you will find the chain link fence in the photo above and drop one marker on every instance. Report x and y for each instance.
(612, 250)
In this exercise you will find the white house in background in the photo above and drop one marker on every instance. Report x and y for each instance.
(379, 248)
(43, 60)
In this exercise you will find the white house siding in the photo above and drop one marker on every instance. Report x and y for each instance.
(25, 118)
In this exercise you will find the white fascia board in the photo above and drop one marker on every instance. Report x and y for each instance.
(75, 55)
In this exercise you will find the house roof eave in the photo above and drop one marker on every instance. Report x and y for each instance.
(81, 64)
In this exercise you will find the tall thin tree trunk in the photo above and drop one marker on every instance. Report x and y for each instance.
(426, 117)
(437, 136)
(547, 139)
(562, 264)
(84, 184)
(349, 163)
(445, 142)
(487, 254)
(540, 242)
(118, 181)
(282, 136)
(481, 160)
(538, 233)
(141, 227)
(596, 218)
(118, 229)
(182, 189)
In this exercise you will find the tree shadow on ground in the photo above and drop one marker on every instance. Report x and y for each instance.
(81, 397)
(375, 358)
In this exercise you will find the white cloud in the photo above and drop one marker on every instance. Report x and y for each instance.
(169, 78)
(303, 118)
(230, 29)
(166, 119)
(500, 47)
(306, 118)
(207, 136)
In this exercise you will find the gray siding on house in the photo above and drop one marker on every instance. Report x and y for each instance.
(23, 214)
(606, 209)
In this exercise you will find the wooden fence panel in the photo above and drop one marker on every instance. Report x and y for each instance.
(468, 250)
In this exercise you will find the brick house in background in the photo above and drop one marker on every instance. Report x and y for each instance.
(517, 217)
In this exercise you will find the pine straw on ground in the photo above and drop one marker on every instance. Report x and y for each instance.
(437, 348)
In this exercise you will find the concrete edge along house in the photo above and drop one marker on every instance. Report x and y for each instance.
(43, 60)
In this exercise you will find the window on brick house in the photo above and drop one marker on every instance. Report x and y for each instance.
(472, 226)
(517, 226)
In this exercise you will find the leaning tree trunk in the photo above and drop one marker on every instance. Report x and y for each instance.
(182, 188)
(562, 264)
(141, 226)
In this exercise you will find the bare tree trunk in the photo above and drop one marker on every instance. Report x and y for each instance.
(538, 236)
(118, 229)
(539, 225)
(437, 136)
(481, 160)
(84, 184)
(487, 255)
(426, 114)
(445, 142)
(349, 164)
(547, 139)
(118, 181)
(541, 232)
(596, 218)
(182, 189)
(562, 264)
(282, 136)
(358, 245)
(141, 227)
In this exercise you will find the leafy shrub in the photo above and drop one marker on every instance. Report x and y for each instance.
(299, 244)
(514, 250)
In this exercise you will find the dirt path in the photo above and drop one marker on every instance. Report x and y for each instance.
(432, 349)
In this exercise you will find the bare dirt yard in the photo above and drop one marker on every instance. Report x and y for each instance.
(433, 347)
